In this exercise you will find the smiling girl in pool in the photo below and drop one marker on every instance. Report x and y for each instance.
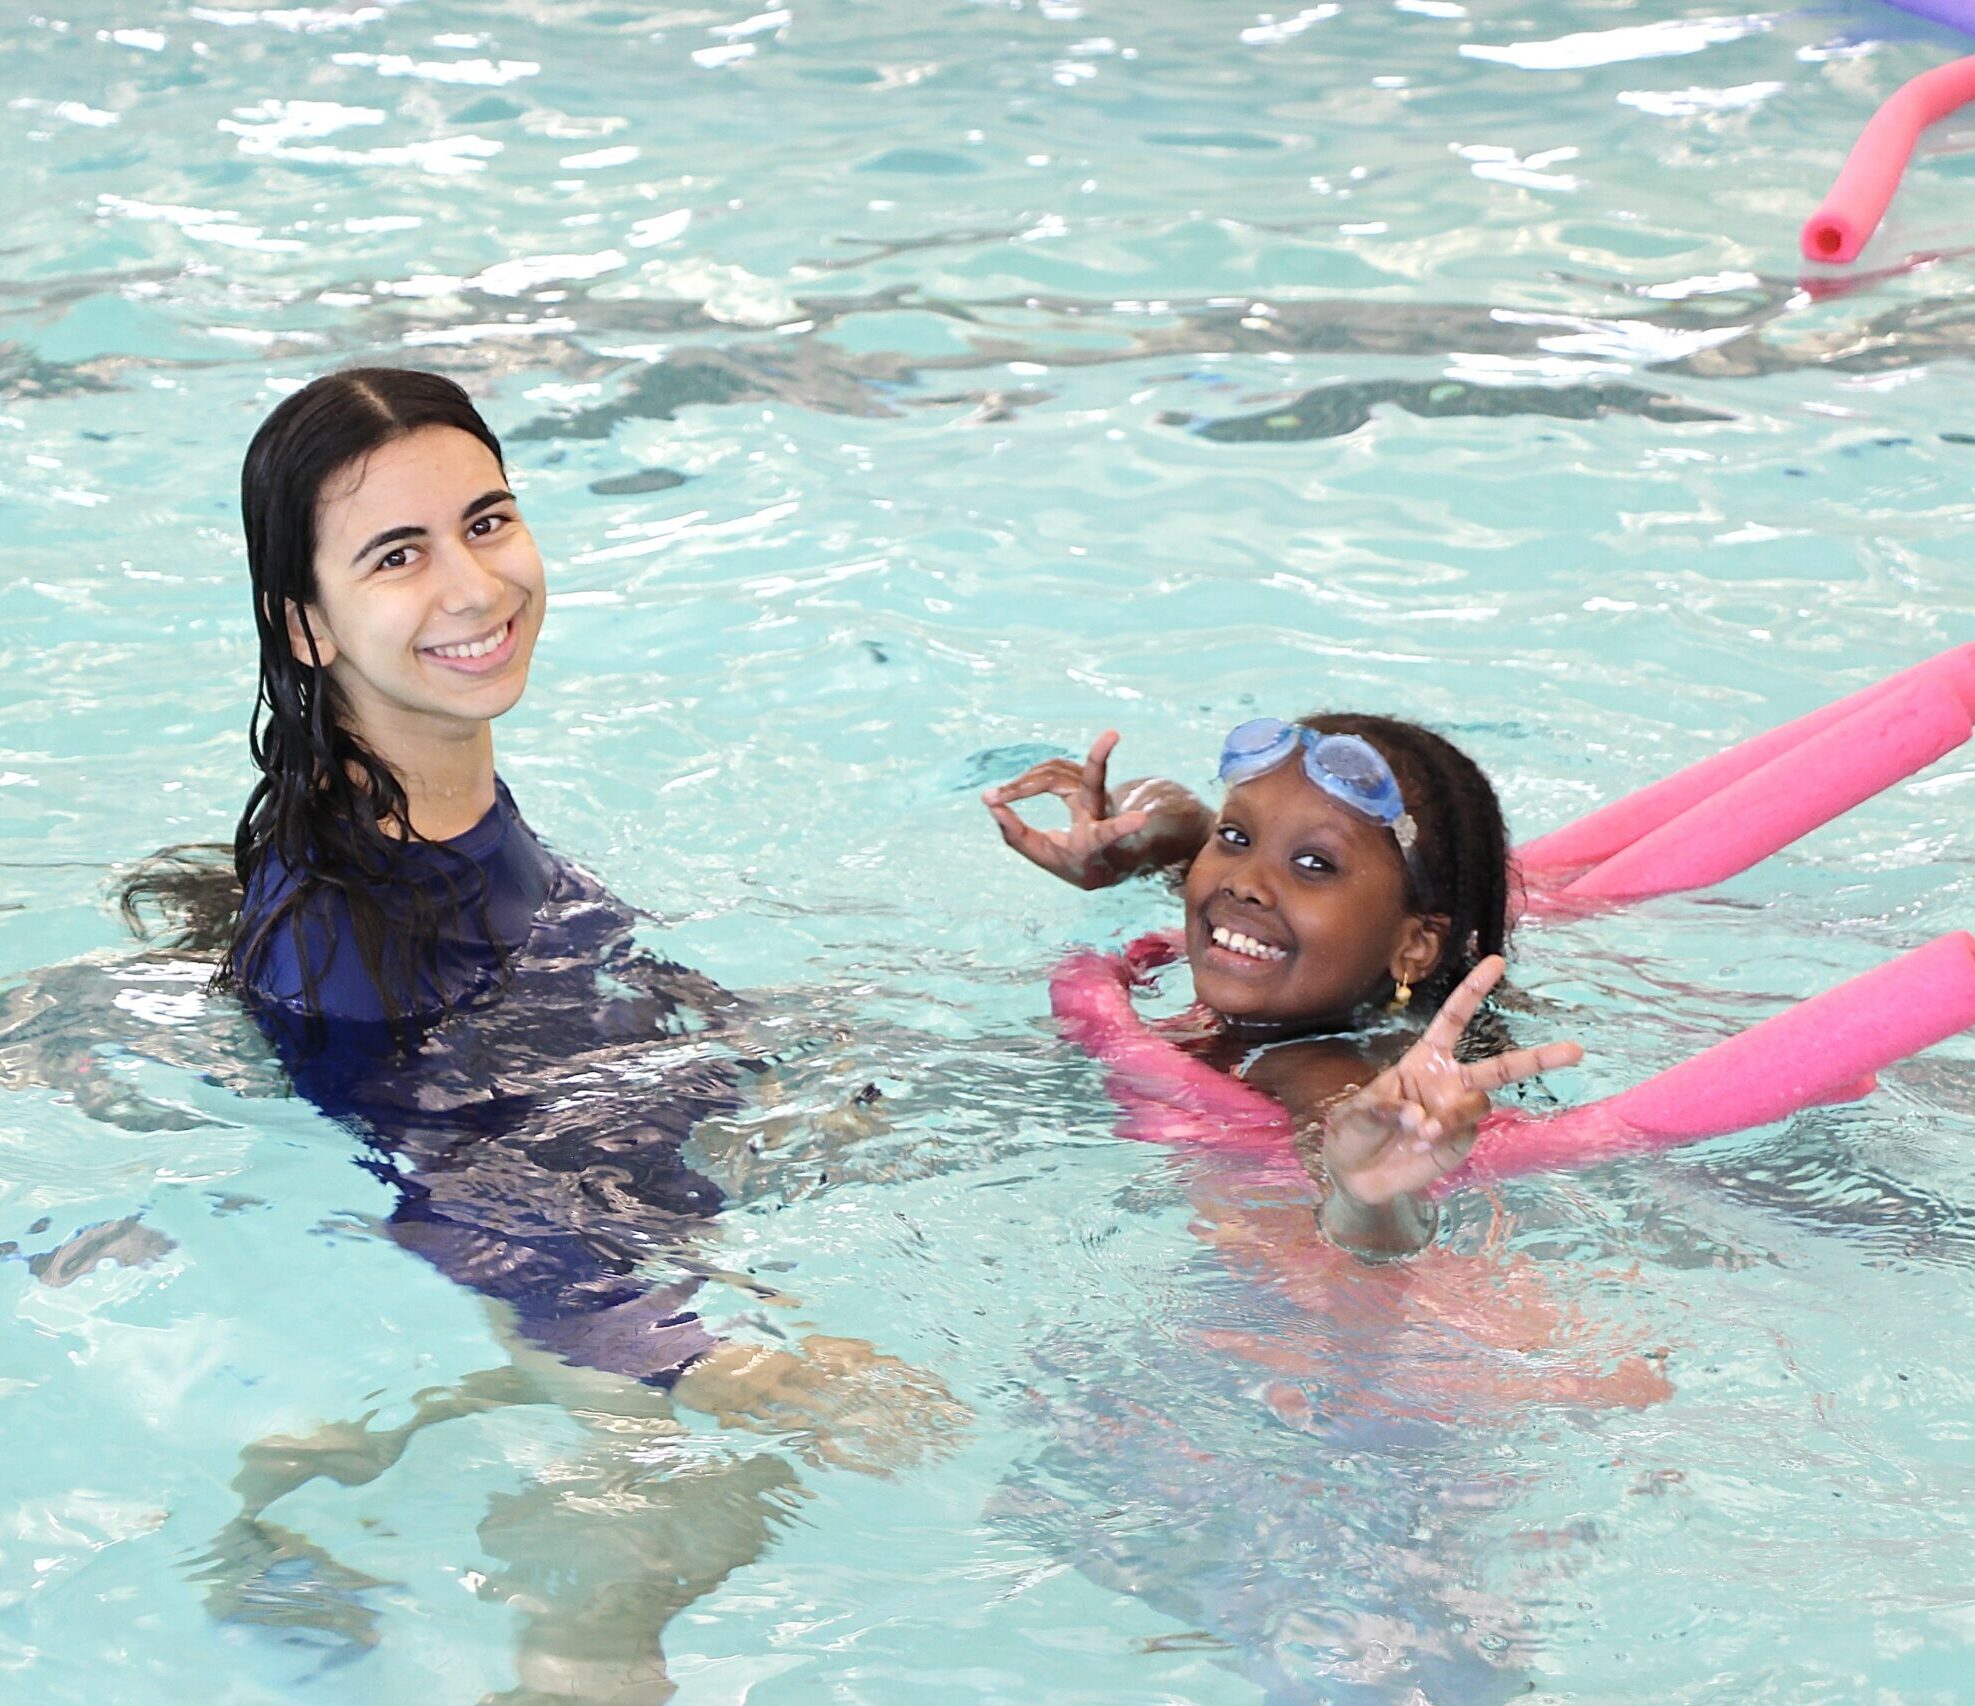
(1358, 868)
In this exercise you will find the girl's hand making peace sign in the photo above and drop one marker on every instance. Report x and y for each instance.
(1415, 1122)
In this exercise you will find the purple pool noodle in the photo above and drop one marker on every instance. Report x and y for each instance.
(1825, 1049)
(1842, 764)
(1597, 836)
(1956, 14)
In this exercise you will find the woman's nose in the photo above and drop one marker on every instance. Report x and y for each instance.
(469, 585)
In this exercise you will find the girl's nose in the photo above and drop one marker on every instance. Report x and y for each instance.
(1246, 884)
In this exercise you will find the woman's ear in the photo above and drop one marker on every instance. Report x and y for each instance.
(301, 625)
(1421, 944)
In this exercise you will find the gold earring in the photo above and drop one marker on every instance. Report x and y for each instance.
(1402, 995)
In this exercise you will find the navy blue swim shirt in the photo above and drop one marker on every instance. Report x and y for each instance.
(530, 1114)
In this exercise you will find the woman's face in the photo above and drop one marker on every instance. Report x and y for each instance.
(1296, 908)
(429, 589)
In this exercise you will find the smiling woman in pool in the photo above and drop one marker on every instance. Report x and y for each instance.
(477, 1011)
(398, 596)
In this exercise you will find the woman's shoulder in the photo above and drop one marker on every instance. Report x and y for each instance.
(297, 945)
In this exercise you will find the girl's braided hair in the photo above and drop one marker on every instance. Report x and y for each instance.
(1459, 866)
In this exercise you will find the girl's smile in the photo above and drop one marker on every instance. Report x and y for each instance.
(1296, 908)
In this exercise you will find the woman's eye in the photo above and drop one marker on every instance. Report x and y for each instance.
(394, 559)
(483, 526)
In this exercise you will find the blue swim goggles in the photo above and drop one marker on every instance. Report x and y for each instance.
(1352, 771)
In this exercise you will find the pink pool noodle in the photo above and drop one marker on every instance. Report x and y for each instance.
(1595, 837)
(1836, 768)
(1848, 216)
(1826, 1049)
(1168, 1095)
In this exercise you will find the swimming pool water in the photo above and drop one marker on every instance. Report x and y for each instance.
(901, 392)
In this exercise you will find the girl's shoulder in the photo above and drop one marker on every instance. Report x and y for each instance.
(1308, 1075)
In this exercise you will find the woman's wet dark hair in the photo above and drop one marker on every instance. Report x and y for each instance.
(1459, 866)
(328, 808)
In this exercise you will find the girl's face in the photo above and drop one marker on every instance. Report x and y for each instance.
(429, 589)
(1296, 909)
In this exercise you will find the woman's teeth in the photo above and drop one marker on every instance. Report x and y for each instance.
(478, 648)
(1236, 943)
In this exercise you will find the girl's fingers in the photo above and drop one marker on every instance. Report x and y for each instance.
(1112, 829)
(1032, 844)
(1452, 1151)
(1094, 767)
(1518, 1064)
(1463, 1004)
(1058, 776)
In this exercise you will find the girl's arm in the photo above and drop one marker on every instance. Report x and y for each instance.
(1388, 1138)
(1145, 825)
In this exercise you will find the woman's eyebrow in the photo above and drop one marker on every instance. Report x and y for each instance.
(391, 535)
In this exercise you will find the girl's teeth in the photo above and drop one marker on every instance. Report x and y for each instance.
(1235, 942)
(479, 648)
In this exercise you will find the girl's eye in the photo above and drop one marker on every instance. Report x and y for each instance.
(1314, 864)
(1229, 836)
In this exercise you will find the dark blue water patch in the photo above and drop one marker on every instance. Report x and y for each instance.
(1003, 764)
(921, 162)
(1333, 411)
(644, 480)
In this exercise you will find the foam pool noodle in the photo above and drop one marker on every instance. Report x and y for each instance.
(1553, 861)
(1824, 775)
(1826, 1049)
(1845, 220)
(1567, 852)
(1167, 1095)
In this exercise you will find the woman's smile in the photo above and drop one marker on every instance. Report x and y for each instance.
(481, 655)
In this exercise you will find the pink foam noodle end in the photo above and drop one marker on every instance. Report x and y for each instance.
(1167, 1095)
(1891, 735)
(1845, 220)
(1567, 852)
(1826, 1049)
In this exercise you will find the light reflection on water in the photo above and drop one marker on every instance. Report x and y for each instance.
(902, 393)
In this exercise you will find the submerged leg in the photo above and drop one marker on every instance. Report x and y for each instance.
(601, 1551)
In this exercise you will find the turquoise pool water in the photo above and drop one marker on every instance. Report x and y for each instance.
(902, 391)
